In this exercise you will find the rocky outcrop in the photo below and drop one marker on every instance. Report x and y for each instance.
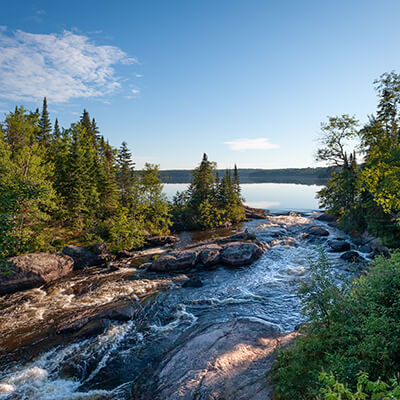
(317, 231)
(339, 245)
(33, 270)
(218, 361)
(230, 254)
(83, 258)
(254, 213)
(155, 241)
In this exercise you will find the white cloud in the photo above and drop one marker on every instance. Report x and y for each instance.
(59, 66)
(251, 144)
(138, 75)
(135, 91)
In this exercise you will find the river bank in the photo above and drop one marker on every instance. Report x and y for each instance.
(160, 318)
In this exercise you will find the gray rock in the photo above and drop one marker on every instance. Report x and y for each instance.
(317, 231)
(33, 270)
(218, 361)
(155, 241)
(338, 245)
(325, 217)
(365, 249)
(82, 257)
(194, 282)
(352, 256)
(238, 254)
(99, 248)
(209, 255)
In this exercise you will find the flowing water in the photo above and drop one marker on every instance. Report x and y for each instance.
(107, 366)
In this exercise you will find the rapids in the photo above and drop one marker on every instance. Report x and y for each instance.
(36, 363)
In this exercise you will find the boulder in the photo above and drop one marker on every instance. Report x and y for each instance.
(338, 245)
(176, 261)
(238, 253)
(317, 231)
(156, 241)
(365, 249)
(352, 256)
(82, 257)
(209, 255)
(33, 270)
(326, 217)
(99, 248)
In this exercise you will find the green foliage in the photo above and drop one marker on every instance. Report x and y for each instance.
(351, 329)
(71, 184)
(209, 202)
(365, 389)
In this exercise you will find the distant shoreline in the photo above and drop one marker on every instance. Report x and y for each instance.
(305, 176)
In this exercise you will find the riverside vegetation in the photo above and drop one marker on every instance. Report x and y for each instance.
(61, 186)
(349, 349)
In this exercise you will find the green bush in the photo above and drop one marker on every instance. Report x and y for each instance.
(352, 328)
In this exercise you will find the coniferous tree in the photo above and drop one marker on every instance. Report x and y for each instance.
(44, 125)
(126, 174)
(56, 132)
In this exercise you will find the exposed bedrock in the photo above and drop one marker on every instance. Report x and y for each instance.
(227, 360)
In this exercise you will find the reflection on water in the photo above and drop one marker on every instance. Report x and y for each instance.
(271, 196)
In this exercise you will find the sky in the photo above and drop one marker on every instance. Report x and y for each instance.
(247, 82)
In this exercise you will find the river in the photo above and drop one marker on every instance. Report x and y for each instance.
(37, 364)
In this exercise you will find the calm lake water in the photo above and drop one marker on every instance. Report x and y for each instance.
(271, 196)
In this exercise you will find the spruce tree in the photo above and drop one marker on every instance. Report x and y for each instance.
(126, 174)
(44, 125)
(56, 132)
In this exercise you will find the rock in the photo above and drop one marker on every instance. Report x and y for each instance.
(352, 256)
(161, 240)
(176, 261)
(326, 217)
(338, 245)
(317, 231)
(254, 213)
(209, 255)
(33, 270)
(238, 253)
(92, 328)
(365, 249)
(123, 312)
(82, 257)
(217, 361)
(194, 282)
(99, 248)
(237, 236)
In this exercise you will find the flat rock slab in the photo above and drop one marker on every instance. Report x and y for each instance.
(219, 361)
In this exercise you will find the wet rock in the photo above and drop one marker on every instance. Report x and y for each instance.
(326, 217)
(155, 241)
(119, 313)
(254, 213)
(33, 270)
(352, 256)
(217, 361)
(317, 231)
(237, 253)
(338, 245)
(94, 327)
(365, 249)
(209, 255)
(194, 282)
(82, 257)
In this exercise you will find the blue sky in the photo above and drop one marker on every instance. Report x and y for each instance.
(248, 82)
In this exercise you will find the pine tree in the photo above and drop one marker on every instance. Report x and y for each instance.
(236, 184)
(44, 125)
(126, 174)
(56, 132)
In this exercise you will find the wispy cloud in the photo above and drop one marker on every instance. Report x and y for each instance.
(60, 66)
(138, 75)
(251, 144)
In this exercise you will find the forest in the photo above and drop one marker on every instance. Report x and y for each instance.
(70, 186)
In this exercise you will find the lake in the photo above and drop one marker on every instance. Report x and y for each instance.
(271, 196)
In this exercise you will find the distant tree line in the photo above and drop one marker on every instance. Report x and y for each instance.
(307, 176)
